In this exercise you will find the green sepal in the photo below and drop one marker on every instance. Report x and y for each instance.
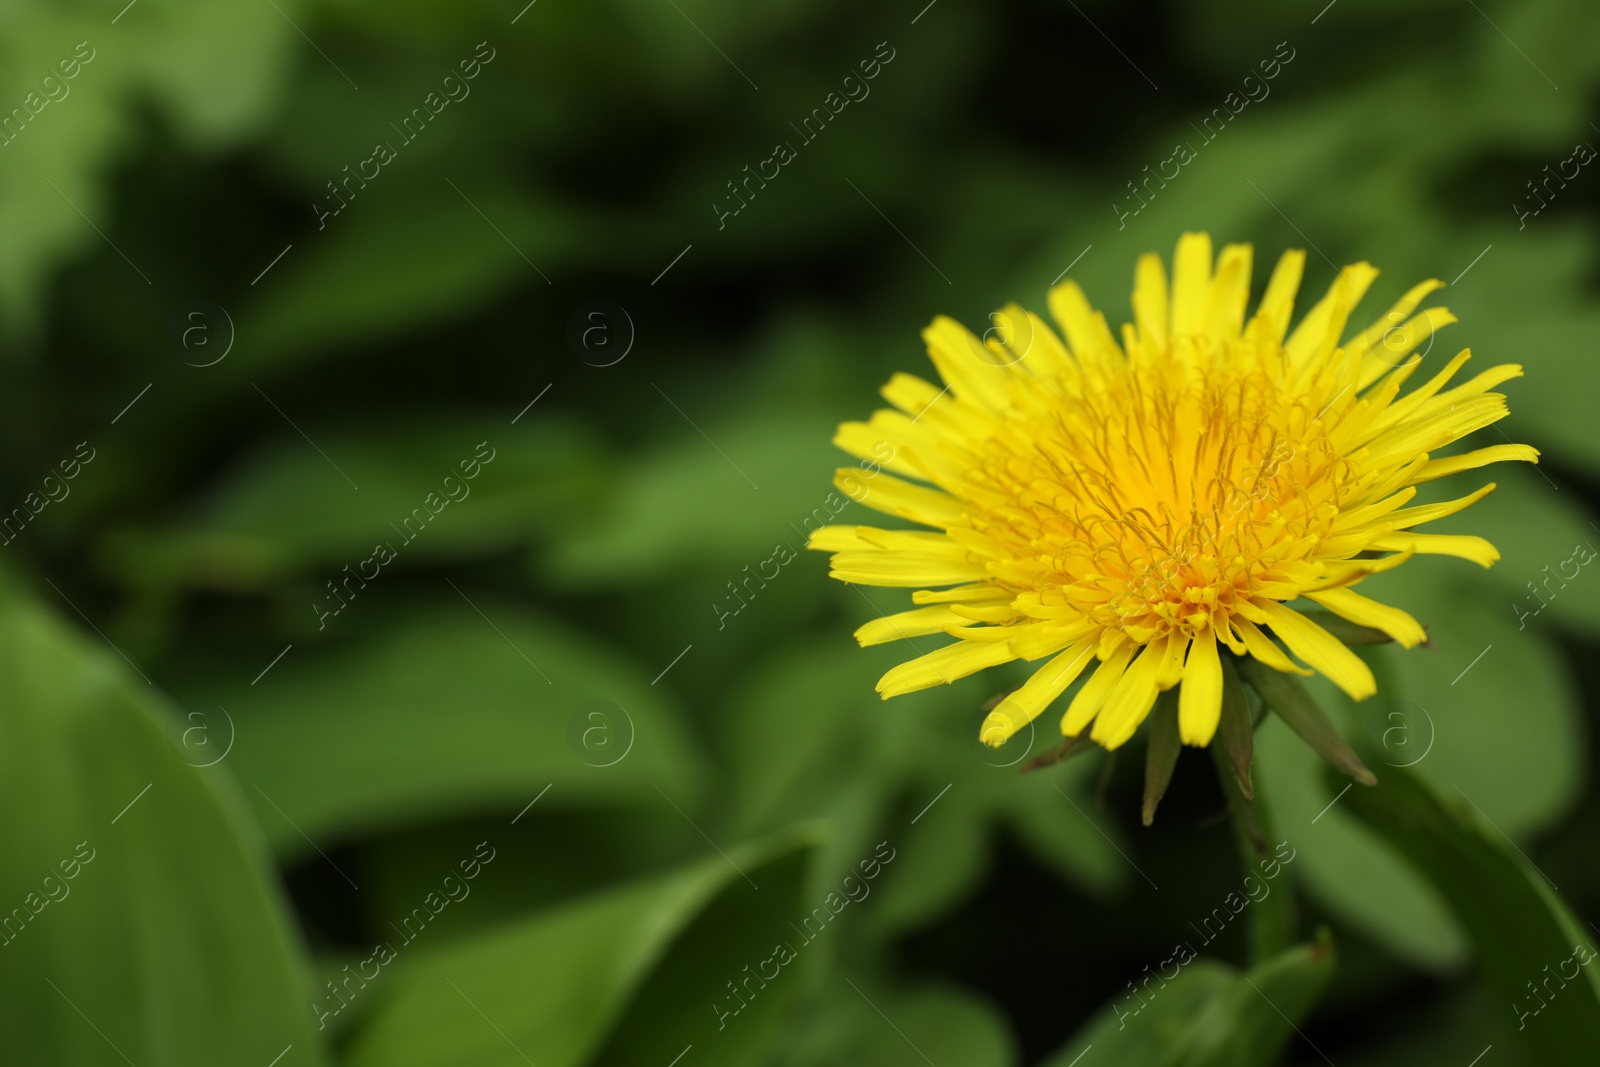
(1346, 631)
(1234, 730)
(1285, 695)
(1068, 748)
(1161, 753)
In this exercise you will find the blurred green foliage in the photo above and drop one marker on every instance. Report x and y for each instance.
(307, 755)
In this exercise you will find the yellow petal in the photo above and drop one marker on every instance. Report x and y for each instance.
(1401, 410)
(1433, 512)
(1048, 357)
(1230, 294)
(923, 542)
(836, 539)
(1200, 697)
(1319, 331)
(1364, 611)
(1088, 335)
(1262, 648)
(1399, 342)
(1480, 383)
(1386, 326)
(1023, 706)
(912, 395)
(940, 667)
(1130, 700)
(1353, 571)
(1356, 518)
(893, 496)
(993, 611)
(1465, 546)
(904, 624)
(975, 592)
(1150, 301)
(1438, 429)
(902, 569)
(1046, 638)
(1171, 671)
(1277, 303)
(1087, 703)
(1191, 283)
(881, 443)
(1480, 457)
(970, 368)
(1321, 650)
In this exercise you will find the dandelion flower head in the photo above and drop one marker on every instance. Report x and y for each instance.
(1135, 508)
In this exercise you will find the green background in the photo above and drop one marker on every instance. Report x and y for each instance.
(269, 792)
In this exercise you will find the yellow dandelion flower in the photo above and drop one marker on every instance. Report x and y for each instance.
(1134, 509)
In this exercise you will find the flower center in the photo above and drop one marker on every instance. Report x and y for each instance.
(1158, 500)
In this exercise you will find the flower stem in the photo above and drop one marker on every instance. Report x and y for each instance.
(1272, 919)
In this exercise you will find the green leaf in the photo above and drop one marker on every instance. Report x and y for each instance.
(1540, 316)
(951, 1024)
(896, 1027)
(1454, 1029)
(287, 510)
(944, 856)
(631, 976)
(210, 70)
(661, 514)
(1208, 1014)
(1065, 837)
(798, 730)
(1544, 535)
(441, 711)
(1345, 868)
(1521, 930)
(808, 735)
(1154, 1033)
(403, 260)
(1443, 712)
(1256, 1016)
(168, 943)
(1498, 703)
